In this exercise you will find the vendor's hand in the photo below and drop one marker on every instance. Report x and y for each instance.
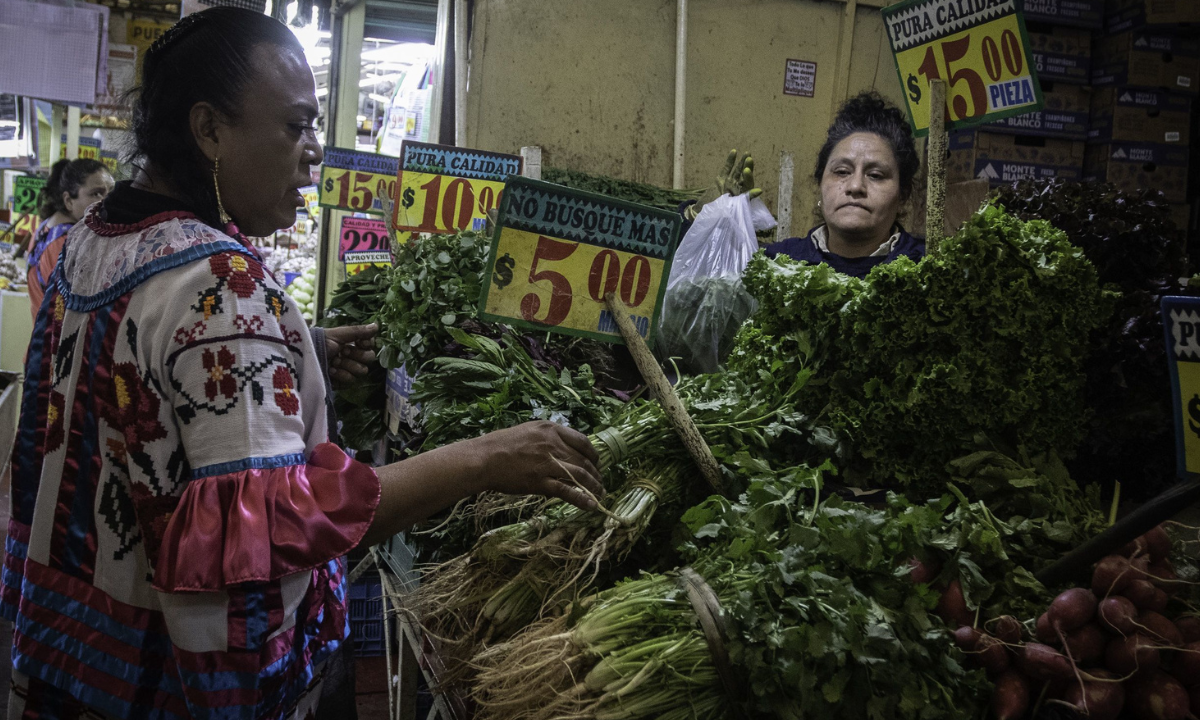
(736, 177)
(349, 350)
(541, 458)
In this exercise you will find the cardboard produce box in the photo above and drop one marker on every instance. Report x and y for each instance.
(1147, 60)
(1132, 166)
(1122, 15)
(1076, 13)
(1061, 54)
(1064, 116)
(1139, 115)
(1001, 159)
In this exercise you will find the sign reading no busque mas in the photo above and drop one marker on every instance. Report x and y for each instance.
(1181, 322)
(978, 47)
(558, 253)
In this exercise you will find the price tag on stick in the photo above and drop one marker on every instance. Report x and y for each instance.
(26, 189)
(363, 235)
(978, 47)
(558, 253)
(444, 189)
(355, 181)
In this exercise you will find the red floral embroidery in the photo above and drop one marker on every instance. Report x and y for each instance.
(154, 514)
(242, 274)
(220, 379)
(285, 391)
(55, 418)
(131, 408)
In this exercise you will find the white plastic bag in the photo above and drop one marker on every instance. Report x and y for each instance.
(705, 302)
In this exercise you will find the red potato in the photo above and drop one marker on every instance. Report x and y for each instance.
(1158, 697)
(952, 607)
(1095, 699)
(1186, 666)
(1141, 593)
(1133, 654)
(1189, 625)
(1008, 629)
(1072, 609)
(1045, 632)
(1118, 614)
(1043, 662)
(1157, 544)
(993, 656)
(1086, 645)
(1111, 576)
(1161, 629)
(1010, 699)
(922, 572)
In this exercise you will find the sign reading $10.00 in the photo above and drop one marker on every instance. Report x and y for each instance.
(444, 189)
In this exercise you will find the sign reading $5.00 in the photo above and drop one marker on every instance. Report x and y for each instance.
(444, 189)
(558, 253)
(978, 47)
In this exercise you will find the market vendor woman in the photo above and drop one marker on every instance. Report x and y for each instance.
(179, 517)
(866, 171)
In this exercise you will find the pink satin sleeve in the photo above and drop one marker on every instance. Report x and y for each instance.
(259, 525)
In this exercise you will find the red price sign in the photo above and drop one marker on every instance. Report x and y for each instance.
(363, 235)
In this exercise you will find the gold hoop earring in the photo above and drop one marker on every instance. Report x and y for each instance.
(224, 216)
(818, 204)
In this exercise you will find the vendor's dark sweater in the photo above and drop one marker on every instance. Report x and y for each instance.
(805, 249)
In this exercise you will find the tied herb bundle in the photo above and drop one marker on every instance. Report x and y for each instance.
(360, 403)
(627, 190)
(917, 361)
(822, 621)
(1130, 238)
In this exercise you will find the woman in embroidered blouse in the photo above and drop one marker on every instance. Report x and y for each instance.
(73, 186)
(178, 515)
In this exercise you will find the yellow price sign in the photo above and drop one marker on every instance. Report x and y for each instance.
(978, 47)
(89, 148)
(558, 253)
(356, 181)
(1181, 321)
(444, 189)
(356, 262)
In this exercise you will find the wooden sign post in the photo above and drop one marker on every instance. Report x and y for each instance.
(935, 161)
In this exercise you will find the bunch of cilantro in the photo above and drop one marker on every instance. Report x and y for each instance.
(917, 362)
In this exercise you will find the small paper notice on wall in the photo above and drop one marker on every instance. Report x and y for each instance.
(800, 78)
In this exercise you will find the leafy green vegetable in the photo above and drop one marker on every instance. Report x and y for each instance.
(361, 403)
(700, 319)
(627, 190)
(917, 361)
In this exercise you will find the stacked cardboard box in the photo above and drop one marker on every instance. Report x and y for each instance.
(1146, 77)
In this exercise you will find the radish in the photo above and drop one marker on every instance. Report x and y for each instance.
(922, 572)
(1043, 662)
(1158, 697)
(1140, 593)
(1111, 576)
(1162, 574)
(952, 607)
(1072, 609)
(1195, 695)
(1087, 645)
(967, 638)
(1097, 700)
(1160, 628)
(1010, 699)
(1008, 629)
(1161, 599)
(1157, 543)
(1118, 614)
(1136, 653)
(993, 656)
(1189, 625)
(1186, 667)
(1045, 632)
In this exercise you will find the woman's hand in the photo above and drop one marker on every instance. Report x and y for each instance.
(541, 458)
(349, 349)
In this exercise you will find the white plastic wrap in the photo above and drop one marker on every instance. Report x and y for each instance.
(705, 302)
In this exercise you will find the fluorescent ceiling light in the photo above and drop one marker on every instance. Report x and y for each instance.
(379, 98)
(376, 80)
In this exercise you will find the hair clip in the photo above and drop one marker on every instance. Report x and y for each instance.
(174, 33)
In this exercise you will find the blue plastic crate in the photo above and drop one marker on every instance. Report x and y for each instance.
(366, 616)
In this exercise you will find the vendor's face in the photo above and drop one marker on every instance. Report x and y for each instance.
(266, 154)
(93, 190)
(860, 189)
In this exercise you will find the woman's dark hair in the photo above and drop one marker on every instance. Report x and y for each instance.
(205, 57)
(66, 176)
(868, 112)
